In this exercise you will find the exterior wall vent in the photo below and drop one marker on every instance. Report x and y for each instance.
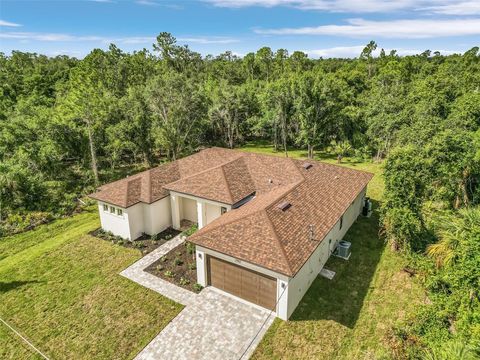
(284, 205)
(307, 166)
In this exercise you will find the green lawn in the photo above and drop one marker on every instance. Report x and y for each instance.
(60, 288)
(351, 316)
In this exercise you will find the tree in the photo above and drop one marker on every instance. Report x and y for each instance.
(230, 109)
(367, 54)
(341, 149)
(87, 103)
(179, 109)
(282, 104)
(309, 110)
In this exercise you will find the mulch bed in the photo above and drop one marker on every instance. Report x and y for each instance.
(145, 243)
(178, 267)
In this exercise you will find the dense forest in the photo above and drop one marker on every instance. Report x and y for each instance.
(68, 125)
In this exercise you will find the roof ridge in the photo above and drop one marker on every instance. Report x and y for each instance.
(296, 168)
(202, 172)
(275, 235)
(293, 185)
(226, 182)
(214, 226)
(126, 192)
(149, 185)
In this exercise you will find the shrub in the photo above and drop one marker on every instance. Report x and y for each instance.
(168, 236)
(192, 266)
(164, 258)
(192, 229)
(190, 247)
(197, 287)
(19, 222)
(155, 237)
(169, 274)
(184, 281)
(159, 267)
(178, 261)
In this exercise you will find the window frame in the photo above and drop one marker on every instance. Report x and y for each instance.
(223, 210)
(105, 207)
(341, 222)
(112, 210)
(119, 212)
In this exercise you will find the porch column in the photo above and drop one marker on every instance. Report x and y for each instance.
(201, 214)
(175, 204)
(201, 268)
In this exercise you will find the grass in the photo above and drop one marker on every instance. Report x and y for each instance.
(353, 315)
(60, 288)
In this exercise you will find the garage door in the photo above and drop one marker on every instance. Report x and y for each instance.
(244, 283)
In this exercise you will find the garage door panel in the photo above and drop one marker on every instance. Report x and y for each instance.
(233, 277)
(242, 282)
(250, 287)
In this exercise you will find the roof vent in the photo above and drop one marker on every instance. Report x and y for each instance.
(284, 205)
(311, 233)
(307, 166)
(270, 181)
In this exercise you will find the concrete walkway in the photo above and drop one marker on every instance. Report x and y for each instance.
(213, 325)
(135, 273)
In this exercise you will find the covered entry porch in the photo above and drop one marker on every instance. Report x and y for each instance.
(194, 209)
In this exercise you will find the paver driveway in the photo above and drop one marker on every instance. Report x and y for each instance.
(213, 325)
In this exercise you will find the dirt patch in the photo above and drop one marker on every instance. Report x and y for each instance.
(178, 267)
(145, 243)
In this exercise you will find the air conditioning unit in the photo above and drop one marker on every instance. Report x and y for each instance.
(343, 249)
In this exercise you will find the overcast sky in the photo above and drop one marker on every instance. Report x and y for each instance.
(319, 27)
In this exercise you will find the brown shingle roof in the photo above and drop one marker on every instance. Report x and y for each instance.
(153, 181)
(319, 199)
(258, 232)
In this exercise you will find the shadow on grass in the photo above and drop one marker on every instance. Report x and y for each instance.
(12, 285)
(341, 299)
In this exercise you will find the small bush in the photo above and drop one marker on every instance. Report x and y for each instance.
(169, 274)
(184, 281)
(191, 230)
(164, 258)
(159, 267)
(178, 261)
(197, 287)
(19, 222)
(155, 237)
(192, 266)
(168, 237)
(190, 247)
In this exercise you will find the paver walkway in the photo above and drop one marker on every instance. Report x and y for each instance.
(213, 325)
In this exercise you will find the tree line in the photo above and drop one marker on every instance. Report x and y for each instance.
(68, 125)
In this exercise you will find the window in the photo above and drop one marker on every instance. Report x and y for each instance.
(119, 212)
(105, 207)
(341, 221)
(223, 210)
(112, 209)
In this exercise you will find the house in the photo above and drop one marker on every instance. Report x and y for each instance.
(267, 225)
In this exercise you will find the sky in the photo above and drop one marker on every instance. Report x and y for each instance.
(321, 28)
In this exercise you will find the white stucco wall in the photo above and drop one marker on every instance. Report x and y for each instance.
(129, 225)
(114, 223)
(157, 216)
(137, 219)
(189, 210)
(212, 212)
(298, 285)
